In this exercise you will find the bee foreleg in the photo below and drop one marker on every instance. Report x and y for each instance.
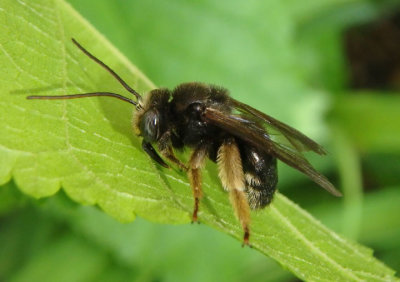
(196, 163)
(153, 154)
(165, 148)
(232, 178)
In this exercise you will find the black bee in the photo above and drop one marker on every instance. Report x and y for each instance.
(240, 139)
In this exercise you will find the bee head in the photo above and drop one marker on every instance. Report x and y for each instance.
(152, 114)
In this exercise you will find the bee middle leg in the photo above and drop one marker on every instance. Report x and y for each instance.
(232, 178)
(196, 163)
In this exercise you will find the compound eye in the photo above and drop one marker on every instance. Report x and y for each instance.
(150, 125)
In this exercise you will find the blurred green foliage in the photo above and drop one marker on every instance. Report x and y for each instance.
(288, 53)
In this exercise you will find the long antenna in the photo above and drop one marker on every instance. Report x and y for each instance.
(94, 94)
(75, 96)
(113, 73)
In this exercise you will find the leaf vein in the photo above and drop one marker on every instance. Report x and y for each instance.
(311, 246)
(10, 58)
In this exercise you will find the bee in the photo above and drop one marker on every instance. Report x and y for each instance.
(244, 142)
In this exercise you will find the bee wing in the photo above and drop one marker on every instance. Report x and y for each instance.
(251, 132)
(297, 139)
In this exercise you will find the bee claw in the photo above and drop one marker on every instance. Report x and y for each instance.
(247, 245)
(194, 218)
(246, 237)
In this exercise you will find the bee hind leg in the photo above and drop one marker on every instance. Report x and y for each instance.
(232, 178)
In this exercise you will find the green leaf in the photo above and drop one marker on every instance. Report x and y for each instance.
(380, 224)
(87, 147)
(158, 250)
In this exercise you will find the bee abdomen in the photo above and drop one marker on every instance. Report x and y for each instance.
(261, 178)
(259, 193)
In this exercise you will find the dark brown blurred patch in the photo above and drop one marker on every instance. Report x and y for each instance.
(373, 53)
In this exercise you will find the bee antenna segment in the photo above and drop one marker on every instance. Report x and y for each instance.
(113, 73)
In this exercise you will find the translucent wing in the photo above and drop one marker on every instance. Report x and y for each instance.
(297, 139)
(249, 128)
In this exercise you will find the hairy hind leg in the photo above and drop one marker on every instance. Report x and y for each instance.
(232, 178)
